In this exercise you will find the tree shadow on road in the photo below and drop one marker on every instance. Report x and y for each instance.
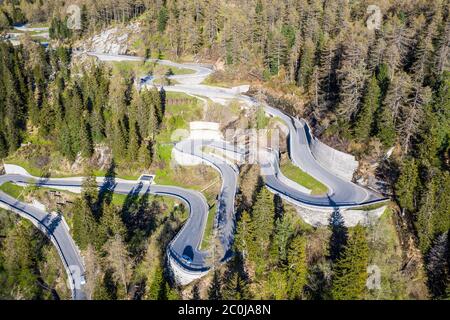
(129, 206)
(339, 235)
(106, 191)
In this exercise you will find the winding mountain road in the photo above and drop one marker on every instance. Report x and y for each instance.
(341, 193)
(53, 226)
(225, 214)
(185, 247)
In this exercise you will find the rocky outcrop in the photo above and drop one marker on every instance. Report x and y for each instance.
(101, 158)
(351, 217)
(116, 40)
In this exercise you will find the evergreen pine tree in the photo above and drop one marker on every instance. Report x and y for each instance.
(215, 288)
(195, 293)
(406, 185)
(145, 154)
(424, 222)
(244, 239)
(364, 121)
(86, 144)
(262, 219)
(171, 293)
(111, 224)
(119, 142)
(163, 16)
(65, 142)
(235, 288)
(3, 147)
(306, 64)
(258, 25)
(297, 267)
(282, 233)
(441, 218)
(19, 256)
(84, 225)
(157, 286)
(133, 142)
(350, 270)
(385, 127)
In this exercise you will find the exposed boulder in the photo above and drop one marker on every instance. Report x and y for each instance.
(115, 40)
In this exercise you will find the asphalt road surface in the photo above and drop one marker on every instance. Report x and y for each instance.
(225, 218)
(341, 193)
(53, 226)
(184, 248)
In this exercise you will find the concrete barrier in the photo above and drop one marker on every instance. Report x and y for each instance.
(240, 89)
(14, 169)
(38, 205)
(340, 163)
(351, 217)
(181, 275)
(205, 130)
(185, 159)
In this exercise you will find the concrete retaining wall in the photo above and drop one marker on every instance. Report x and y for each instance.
(241, 89)
(223, 157)
(183, 276)
(205, 130)
(237, 157)
(185, 159)
(339, 163)
(351, 217)
(14, 169)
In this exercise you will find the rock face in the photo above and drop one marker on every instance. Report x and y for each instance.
(114, 40)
